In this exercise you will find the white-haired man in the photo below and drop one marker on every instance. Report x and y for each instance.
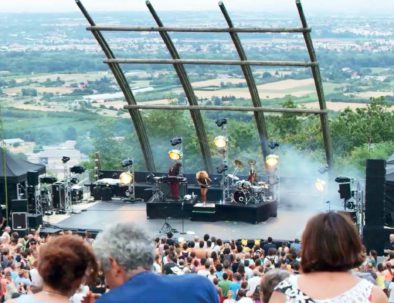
(126, 255)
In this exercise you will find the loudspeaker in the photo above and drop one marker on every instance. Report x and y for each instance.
(18, 205)
(344, 191)
(34, 220)
(374, 192)
(58, 195)
(19, 221)
(32, 178)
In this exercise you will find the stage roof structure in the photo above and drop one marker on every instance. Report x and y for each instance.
(258, 109)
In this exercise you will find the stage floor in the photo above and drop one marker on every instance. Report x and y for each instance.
(288, 225)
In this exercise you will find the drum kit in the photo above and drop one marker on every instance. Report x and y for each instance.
(246, 191)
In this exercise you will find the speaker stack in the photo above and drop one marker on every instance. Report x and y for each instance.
(375, 234)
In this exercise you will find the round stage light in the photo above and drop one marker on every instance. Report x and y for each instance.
(320, 185)
(272, 161)
(125, 178)
(220, 142)
(175, 154)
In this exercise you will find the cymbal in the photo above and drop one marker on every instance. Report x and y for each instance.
(238, 164)
(233, 177)
(252, 162)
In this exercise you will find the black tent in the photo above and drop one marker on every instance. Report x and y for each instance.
(12, 172)
(14, 169)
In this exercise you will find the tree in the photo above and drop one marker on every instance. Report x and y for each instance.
(354, 128)
(70, 133)
(32, 92)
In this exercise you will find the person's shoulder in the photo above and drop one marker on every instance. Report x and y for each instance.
(190, 278)
(378, 296)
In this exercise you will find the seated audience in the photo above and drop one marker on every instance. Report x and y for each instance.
(65, 262)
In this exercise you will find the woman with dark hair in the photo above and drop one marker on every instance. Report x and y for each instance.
(331, 248)
(64, 263)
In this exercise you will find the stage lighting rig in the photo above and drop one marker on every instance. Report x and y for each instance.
(175, 154)
(77, 169)
(221, 122)
(176, 141)
(65, 159)
(272, 161)
(323, 170)
(320, 185)
(273, 144)
(126, 178)
(220, 142)
(222, 168)
(127, 162)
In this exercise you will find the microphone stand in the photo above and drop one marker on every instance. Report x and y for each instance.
(183, 219)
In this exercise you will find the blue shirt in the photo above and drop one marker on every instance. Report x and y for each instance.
(147, 287)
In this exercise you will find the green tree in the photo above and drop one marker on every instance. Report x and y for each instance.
(31, 92)
(70, 133)
(354, 128)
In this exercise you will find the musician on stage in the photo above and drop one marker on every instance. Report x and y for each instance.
(203, 180)
(252, 177)
(175, 171)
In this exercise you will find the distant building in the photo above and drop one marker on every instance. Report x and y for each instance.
(52, 156)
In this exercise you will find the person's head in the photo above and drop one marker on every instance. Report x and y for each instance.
(391, 237)
(269, 240)
(122, 249)
(225, 276)
(64, 262)
(373, 253)
(331, 243)
(269, 281)
(380, 267)
(229, 294)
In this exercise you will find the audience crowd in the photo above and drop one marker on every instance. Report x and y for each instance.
(57, 267)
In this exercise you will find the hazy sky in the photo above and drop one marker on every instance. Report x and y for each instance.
(310, 6)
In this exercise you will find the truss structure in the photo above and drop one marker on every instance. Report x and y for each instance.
(194, 108)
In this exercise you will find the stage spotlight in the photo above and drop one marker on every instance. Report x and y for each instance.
(127, 162)
(220, 142)
(221, 168)
(77, 169)
(272, 161)
(176, 141)
(221, 122)
(273, 144)
(342, 180)
(323, 170)
(65, 159)
(320, 185)
(175, 154)
(126, 178)
(350, 204)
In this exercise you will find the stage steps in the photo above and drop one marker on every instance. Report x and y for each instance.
(201, 212)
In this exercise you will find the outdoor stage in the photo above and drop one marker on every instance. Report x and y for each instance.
(288, 224)
(251, 213)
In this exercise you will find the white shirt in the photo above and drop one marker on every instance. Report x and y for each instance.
(391, 289)
(245, 300)
(156, 268)
(36, 279)
(253, 282)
